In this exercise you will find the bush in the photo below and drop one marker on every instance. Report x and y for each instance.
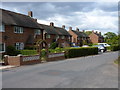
(10, 50)
(28, 52)
(56, 50)
(115, 47)
(29, 48)
(78, 52)
(53, 45)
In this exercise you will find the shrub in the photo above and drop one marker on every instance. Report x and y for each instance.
(78, 52)
(29, 48)
(53, 45)
(28, 52)
(10, 50)
(115, 47)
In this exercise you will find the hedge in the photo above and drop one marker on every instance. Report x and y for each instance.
(28, 52)
(115, 47)
(82, 51)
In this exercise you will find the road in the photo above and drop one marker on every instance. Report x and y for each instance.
(85, 72)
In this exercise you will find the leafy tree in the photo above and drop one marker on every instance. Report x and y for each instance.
(111, 38)
(109, 35)
(88, 32)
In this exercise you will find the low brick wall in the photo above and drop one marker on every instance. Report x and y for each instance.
(27, 60)
(56, 56)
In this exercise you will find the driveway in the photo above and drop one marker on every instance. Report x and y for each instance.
(85, 72)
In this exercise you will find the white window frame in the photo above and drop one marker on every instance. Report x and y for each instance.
(63, 37)
(48, 36)
(2, 28)
(37, 32)
(18, 29)
(4, 48)
(18, 45)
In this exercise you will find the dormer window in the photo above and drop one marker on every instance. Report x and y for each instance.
(63, 37)
(48, 36)
(37, 31)
(18, 29)
(2, 28)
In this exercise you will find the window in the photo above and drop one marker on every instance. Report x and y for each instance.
(2, 47)
(37, 32)
(19, 46)
(2, 28)
(18, 29)
(47, 36)
(63, 37)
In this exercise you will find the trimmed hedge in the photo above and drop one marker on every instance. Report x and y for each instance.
(28, 52)
(82, 51)
(115, 47)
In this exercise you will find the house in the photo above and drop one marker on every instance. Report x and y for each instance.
(96, 37)
(79, 38)
(52, 34)
(18, 30)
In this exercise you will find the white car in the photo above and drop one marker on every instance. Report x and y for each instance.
(104, 44)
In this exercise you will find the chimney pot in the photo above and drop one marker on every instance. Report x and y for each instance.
(70, 28)
(30, 14)
(51, 24)
(77, 29)
(63, 26)
(83, 30)
(100, 33)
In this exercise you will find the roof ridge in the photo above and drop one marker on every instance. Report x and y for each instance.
(15, 12)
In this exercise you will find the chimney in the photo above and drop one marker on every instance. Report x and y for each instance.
(51, 24)
(70, 28)
(83, 30)
(30, 14)
(63, 26)
(77, 29)
(100, 33)
(35, 20)
(96, 32)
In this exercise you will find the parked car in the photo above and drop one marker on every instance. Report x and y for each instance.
(85, 46)
(75, 46)
(101, 48)
(104, 44)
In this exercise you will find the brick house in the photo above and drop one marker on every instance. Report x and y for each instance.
(18, 30)
(52, 34)
(78, 37)
(96, 37)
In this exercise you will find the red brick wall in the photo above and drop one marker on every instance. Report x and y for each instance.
(93, 38)
(16, 37)
(60, 40)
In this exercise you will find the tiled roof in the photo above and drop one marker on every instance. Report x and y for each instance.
(80, 34)
(54, 30)
(12, 18)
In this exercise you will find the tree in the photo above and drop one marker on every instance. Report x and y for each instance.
(88, 32)
(109, 35)
(111, 38)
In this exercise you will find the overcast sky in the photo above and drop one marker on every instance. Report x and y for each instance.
(101, 16)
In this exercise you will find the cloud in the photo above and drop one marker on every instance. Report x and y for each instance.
(101, 16)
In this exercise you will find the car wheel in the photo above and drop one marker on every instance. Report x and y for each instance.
(102, 51)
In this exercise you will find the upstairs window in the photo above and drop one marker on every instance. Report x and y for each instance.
(18, 29)
(37, 31)
(2, 28)
(48, 36)
(2, 47)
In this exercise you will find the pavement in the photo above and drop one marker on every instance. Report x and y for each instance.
(84, 72)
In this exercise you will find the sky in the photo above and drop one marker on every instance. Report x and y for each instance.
(100, 16)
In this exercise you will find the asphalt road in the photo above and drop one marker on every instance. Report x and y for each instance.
(84, 72)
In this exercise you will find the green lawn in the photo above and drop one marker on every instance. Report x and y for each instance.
(117, 61)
